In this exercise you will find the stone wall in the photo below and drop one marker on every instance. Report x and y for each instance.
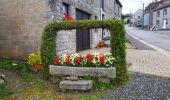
(66, 42)
(90, 6)
(21, 26)
(22, 23)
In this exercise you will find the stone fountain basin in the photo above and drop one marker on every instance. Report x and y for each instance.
(107, 73)
(83, 71)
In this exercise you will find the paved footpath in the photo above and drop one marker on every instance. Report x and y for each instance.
(144, 61)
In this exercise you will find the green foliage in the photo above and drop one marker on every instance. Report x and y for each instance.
(27, 77)
(99, 85)
(41, 84)
(118, 48)
(92, 97)
(33, 59)
(7, 64)
(4, 92)
(125, 16)
(2, 86)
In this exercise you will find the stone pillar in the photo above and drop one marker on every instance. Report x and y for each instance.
(72, 11)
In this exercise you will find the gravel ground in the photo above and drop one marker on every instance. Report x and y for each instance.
(142, 87)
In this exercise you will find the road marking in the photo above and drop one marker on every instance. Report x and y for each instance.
(163, 51)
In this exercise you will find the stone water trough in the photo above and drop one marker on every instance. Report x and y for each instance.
(74, 72)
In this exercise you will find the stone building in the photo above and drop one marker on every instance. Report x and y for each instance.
(148, 17)
(137, 18)
(161, 19)
(22, 23)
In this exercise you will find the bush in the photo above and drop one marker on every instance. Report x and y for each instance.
(34, 60)
(118, 48)
(7, 64)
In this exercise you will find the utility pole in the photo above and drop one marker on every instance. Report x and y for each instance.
(143, 15)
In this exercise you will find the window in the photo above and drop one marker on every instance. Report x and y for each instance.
(164, 12)
(157, 22)
(158, 14)
(65, 9)
(138, 17)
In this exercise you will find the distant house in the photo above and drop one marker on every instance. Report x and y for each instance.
(148, 17)
(161, 19)
(137, 17)
(127, 20)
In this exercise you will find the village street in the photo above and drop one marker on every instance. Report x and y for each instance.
(155, 39)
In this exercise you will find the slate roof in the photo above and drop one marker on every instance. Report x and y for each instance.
(162, 6)
(119, 3)
(153, 5)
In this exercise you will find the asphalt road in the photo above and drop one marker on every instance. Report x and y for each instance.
(138, 44)
(158, 38)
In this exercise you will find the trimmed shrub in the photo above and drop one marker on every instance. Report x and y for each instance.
(118, 48)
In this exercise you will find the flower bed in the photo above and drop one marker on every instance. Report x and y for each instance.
(88, 60)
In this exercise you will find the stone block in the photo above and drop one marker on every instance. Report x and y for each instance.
(76, 85)
(104, 80)
(83, 71)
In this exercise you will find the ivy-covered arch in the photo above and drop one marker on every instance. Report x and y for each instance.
(118, 48)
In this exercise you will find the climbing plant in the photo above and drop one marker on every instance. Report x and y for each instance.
(118, 48)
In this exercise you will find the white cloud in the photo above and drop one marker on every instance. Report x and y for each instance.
(133, 5)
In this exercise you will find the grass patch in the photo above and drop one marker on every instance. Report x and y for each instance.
(96, 96)
(4, 92)
(28, 77)
(100, 85)
(20, 67)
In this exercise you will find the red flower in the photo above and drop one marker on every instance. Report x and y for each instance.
(57, 61)
(101, 43)
(68, 60)
(102, 60)
(78, 59)
(37, 67)
(89, 57)
(68, 17)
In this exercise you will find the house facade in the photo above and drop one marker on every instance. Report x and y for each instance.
(137, 17)
(22, 23)
(148, 17)
(161, 19)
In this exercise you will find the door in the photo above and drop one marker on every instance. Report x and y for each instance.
(82, 36)
(164, 23)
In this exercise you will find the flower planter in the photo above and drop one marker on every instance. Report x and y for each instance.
(105, 73)
(83, 71)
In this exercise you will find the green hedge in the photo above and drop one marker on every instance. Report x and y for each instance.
(118, 48)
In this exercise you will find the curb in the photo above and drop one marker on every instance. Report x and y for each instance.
(163, 51)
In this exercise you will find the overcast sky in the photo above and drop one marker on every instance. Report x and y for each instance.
(133, 5)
